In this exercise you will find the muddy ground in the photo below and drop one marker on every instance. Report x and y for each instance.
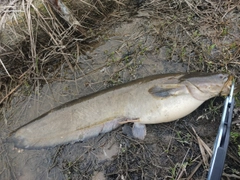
(135, 40)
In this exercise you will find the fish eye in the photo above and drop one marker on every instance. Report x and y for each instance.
(224, 77)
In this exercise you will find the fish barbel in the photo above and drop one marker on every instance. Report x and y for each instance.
(150, 100)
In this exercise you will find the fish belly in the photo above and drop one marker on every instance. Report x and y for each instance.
(169, 109)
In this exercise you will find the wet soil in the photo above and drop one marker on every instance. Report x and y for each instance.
(146, 40)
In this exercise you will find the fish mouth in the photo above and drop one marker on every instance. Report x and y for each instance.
(227, 86)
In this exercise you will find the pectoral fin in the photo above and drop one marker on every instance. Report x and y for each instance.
(165, 91)
(139, 130)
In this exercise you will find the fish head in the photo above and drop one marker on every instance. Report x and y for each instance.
(206, 86)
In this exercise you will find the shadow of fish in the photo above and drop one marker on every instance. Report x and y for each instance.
(150, 100)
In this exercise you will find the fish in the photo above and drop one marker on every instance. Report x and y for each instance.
(150, 100)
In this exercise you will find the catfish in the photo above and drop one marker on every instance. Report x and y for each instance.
(150, 100)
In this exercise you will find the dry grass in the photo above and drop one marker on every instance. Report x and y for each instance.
(45, 40)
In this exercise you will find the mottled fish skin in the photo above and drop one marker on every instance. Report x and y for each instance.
(150, 100)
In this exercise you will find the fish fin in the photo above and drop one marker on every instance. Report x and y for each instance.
(112, 124)
(126, 129)
(168, 90)
(139, 131)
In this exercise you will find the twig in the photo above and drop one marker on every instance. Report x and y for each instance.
(183, 166)
(203, 148)
(231, 175)
(194, 171)
(5, 68)
(12, 91)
